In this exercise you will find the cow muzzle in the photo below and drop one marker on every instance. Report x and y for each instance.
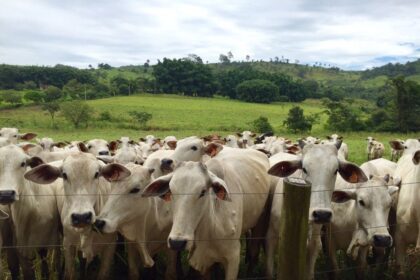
(381, 240)
(104, 153)
(177, 244)
(321, 216)
(81, 220)
(166, 164)
(7, 197)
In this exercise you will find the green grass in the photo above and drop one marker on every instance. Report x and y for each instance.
(183, 116)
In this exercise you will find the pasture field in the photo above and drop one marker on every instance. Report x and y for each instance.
(185, 116)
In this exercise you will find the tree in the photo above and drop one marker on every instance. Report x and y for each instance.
(35, 96)
(77, 112)
(261, 125)
(230, 55)
(259, 91)
(74, 89)
(12, 97)
(52, 108)
(224, 59)
(141, 117)
(52, 94)
(247, 57)
(341, 117)
(297, 122)
(29, 85)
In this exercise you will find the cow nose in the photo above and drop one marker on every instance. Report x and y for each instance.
(81, 219)
(166, 164)
(177, 244)
(380, 240)
(99, 225)
(104, 153)
(7, 197)
(321, 216)
(245, 141)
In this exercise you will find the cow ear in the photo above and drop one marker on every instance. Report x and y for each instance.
(301, 143)
(285, 168)
(253, 135)
(351, 172)
(338, 144)
(34, 162)
(416, 157)
(171, 144)
(396, 145)
(27, 136)
(219, 187)
(82, 147)
(328, 137)
(113, 145)
(212, 149)
(159, 187)
(239, 134)
(142, 139)
(131, 142)
(292, 149)
(26, 147)
(60, 144)
(341, 196)
(43, 174)
(114, 172)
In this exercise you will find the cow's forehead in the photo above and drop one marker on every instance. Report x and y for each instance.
(189, 141)
(319, 150)
(97, 142)
(9, 130)
(189, 174)
(11, 153)
(81, 161)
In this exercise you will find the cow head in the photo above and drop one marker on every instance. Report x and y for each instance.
(98, 147)
(12, 134)
(320, 165)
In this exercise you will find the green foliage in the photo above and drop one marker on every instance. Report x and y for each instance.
(258, 91)
(12, 97)
(77, 112)
(341, 117)
(140, 117)
(105, 116)
(297, 122)
(52, 94)
(35, 96)
(29, 85)
(52, 108)
(261, 125)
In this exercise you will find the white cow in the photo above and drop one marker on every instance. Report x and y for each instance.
(343, 152)
(360, 215)
(319, 165)
(210, 210)
(246, 139)
(33, 209)
(145, 221)
(377, 150)
(169, 143)
(396, 153)
(98, 147)
(12, 134)
(86, 185)
(125, 154)
(231, 141)
(408, 210)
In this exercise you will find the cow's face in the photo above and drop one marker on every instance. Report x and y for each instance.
(46, 143)
(12, 134)
(192, 189)
(125, 204)
(407, 147)
(13, 165)
(373, 200)
(320, 166)
(246, 137)
(82, 175)
(98, 147)
(231, 141)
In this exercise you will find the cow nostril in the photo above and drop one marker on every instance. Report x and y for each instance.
(382, 240)
(177, 245)
(99, 224)
(321, 216)
(166, 163)
(104, 153)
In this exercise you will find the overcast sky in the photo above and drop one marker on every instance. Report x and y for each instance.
(351, 34)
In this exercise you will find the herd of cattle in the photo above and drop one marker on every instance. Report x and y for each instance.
(203, 195)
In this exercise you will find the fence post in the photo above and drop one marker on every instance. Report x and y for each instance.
(293, 229)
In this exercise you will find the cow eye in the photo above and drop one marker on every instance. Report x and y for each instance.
(22, 164)
(135, 190)
(96, 175)
(194, 148)
(64, 176)
(362, 203)
(203, 192)
(89, 147)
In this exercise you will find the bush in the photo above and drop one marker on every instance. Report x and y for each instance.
(258, 91)
(297, 122)
(261, 125)
(140, 117)
(52, 93)
(52, 108)
(12, 97)
(77, 112)
(105, 116)
(35, 96)
(341, 117)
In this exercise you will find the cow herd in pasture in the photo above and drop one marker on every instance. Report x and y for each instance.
(75, 200)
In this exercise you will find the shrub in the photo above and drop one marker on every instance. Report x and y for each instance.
(261, 125)
(140, 117)
(77, 112)
(341, 117)
(12, 97)
(297, 122)
(52, 93)
(35, 96)
(258, 91)
(105, 116)
(52, 108)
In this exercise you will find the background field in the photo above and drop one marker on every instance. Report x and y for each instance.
(185, 116)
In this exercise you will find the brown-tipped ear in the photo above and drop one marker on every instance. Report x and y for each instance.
(239, 134)
(253, 135)
(114, 172)
(396, 145)
(219, 187)
(27, 136)
(158, 187)
(328, 137)
(288, 141)
(292, 149)
(34, 162)
(340, 137)
(171, 144)
(285, 168)
(59, 144)
(212, 149)
(142, 139)
(43, 174)
(113, 145)
(26, 147)
(131, 142)
(351, 172)
(338, 144)
(301, 143)
(82, 147)
(341, 196)
(416, 157)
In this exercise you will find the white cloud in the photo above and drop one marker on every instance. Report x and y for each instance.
(350, 34)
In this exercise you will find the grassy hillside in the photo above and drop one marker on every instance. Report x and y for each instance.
(181, 116)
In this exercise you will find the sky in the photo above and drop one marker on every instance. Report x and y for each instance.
(351, 34)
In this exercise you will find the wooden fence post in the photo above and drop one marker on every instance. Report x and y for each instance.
(293, 230)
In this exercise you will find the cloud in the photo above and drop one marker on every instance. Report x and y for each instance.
(352, 34)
